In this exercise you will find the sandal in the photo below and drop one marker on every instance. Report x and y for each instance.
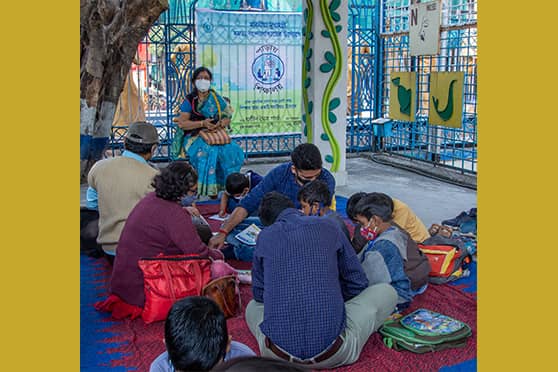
(445, 231)
(433, 230)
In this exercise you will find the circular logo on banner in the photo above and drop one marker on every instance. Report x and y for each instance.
(207, 27)
(268, 68)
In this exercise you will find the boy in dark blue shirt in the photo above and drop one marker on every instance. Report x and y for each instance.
(237, 186)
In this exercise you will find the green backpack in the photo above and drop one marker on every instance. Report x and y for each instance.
(423, 331)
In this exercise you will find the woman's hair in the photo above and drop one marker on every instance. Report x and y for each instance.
(257, 364)
(375, 204)
(174, 181)
(196, 334)
(315, 192)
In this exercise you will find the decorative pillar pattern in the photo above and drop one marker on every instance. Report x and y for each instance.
(324, 79)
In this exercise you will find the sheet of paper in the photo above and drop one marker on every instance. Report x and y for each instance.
(218, 218)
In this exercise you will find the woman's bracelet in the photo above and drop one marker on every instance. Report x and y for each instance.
(223, 231)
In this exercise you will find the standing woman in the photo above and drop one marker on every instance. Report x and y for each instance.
(204, 109)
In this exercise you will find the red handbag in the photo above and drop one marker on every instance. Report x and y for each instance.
(167, 279)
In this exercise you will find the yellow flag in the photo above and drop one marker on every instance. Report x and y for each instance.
(402, 96)
(446, 99)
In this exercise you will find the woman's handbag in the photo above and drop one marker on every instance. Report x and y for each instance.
(226, 293)
(167, 279)
(216, 137)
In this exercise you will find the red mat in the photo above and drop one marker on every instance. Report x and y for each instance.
(140, 344)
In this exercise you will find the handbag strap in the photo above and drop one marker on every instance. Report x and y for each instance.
(199, 278)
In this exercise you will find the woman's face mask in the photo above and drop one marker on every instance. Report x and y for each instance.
(368, 233)
(203, 85)
(190, 197)
(188, 200)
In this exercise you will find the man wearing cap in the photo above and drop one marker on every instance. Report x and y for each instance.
(117, 184)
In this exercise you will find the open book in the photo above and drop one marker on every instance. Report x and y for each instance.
(249, 235)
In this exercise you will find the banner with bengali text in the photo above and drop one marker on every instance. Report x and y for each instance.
(256, 61)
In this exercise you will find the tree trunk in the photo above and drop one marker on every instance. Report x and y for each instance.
(110, 32)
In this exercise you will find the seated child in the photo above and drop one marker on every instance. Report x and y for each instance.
(416, 264)
(237, 185)
(381, 258)
(315, 199)
(196, 338)
(403, 216)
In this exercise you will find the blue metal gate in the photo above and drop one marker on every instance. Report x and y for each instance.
(362, 85)
(448, 147)
(377, 45)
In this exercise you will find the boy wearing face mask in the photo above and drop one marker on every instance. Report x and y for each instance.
(315, 200)
(237, 186)
(384, 256)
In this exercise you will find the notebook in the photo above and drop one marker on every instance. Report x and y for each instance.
(249, 235)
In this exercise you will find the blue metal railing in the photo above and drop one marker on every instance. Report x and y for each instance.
(377, 45)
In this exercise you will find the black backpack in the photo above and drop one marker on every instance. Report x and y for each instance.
(88, 231)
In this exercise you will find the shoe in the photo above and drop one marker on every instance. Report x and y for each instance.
(473, 212)
(433, 230)
(457, 220)
(445, 231)
(468, 226)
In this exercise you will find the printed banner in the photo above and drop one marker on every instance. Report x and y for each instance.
(256, 61)
(424, 28)
(269, 5)
(446, 99)
(402, 96)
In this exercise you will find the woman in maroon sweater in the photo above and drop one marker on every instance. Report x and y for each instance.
(157, 224)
